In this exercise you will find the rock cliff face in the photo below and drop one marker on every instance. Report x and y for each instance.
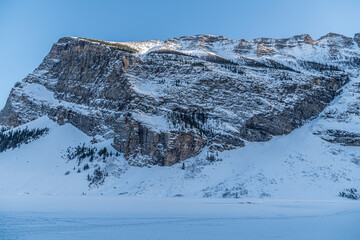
(163, 101)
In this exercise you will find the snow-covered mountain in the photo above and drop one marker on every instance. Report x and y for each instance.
(196, 116)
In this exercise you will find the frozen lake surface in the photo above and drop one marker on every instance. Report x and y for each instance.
(160, 218)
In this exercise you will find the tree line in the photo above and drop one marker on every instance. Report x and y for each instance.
(11, 139)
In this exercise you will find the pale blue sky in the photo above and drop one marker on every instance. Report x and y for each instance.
(29, 28)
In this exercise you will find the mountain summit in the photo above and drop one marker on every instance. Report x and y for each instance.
(163, 102)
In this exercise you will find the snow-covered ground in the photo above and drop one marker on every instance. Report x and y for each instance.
(87, 217)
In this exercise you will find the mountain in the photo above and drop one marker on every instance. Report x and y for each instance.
(228, 118)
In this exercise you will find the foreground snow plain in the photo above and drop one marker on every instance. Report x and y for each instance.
(95, 217)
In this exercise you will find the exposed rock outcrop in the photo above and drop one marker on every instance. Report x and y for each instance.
(164, 101)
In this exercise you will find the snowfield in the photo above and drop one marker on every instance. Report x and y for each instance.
(108, 218)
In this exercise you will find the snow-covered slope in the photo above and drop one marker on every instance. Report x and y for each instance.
(300, 165)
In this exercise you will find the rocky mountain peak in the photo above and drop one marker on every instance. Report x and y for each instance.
(333, 36)
(334, 39)
(204, 38)
(161, 102)
(303, 38)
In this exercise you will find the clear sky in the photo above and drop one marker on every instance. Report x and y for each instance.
(28, 28)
